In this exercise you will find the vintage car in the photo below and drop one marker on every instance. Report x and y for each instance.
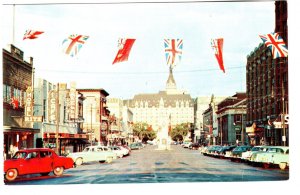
(237, 152)
(136, 146)
(119, 151)
(247, 154)
(36, 161)
(92, 153)
(275, 155)
(253, 157)
(222, 150)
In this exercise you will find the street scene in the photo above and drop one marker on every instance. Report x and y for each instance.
(129, 92)
(149, 165)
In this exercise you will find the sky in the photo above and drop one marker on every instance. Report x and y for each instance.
(239, 23)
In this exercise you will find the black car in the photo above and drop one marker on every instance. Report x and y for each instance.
(194, 146)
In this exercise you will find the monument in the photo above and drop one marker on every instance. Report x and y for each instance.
(163, 138)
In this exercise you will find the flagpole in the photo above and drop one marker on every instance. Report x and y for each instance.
(13, 32)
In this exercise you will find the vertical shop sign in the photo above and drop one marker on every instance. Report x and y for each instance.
(73, 95)
(52, 105)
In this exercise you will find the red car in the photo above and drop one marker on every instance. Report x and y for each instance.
(36, 160)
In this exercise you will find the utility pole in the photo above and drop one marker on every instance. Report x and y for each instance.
(283, 117)
(242, 137)
(57, 119)
(91, 133)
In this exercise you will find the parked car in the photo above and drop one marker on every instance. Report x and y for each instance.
(237, 152)
(252, 159)
(34, 161)
(211, 150)
(194, 146)
(247, 154)
(222, 150)
(186, 144)
(136, 146)
(119, 151)
(92, 153)
(275, 155)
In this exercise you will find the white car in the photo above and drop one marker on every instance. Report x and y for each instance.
(92, 153)
(120, 152)
(246, 155)
(275, 155)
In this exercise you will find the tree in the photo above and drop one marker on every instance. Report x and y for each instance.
(143, 131)
(179, 131)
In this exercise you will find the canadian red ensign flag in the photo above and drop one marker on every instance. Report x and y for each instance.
(125, 46)
(217, 46)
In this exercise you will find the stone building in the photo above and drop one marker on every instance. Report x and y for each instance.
(171, 105)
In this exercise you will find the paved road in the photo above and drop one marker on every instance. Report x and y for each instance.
(149, 165)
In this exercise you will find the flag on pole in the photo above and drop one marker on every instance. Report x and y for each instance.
(173, 51)
(14, 102)
(73, 44)
(125, 46)
(276, 44)
(217, 46)
(32, 34)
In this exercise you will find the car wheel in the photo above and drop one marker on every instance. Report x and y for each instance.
(45, 174)
(109, 159)
(282, 165)
(78, 161)
(58, 171)
(11, 174)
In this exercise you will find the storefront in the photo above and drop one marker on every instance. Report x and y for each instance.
(16, 138)
(69, 140)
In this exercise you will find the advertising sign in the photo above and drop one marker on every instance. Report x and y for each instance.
(52, 105)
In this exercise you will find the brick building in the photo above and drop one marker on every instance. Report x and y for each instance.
(267, 87)
(17, 78)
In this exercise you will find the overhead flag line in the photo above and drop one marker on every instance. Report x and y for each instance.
(131, 2)
(123, 73)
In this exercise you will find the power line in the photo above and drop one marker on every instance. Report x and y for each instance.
(135, 2)
(136, 73)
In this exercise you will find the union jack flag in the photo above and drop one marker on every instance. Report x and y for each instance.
(31, 34)
(73, 44)
(173, 49)
(274, 42)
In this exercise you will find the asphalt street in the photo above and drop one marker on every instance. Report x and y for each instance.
(150, 165)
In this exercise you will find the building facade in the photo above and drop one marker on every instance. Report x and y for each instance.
(96, 115)
(170, 105)
(231, 115)
(62, 111)
(201, 122)
(267, 88)
(17, 81)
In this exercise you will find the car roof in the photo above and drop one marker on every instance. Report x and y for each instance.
(34, 149)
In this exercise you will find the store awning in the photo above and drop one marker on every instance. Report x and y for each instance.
(10, 129)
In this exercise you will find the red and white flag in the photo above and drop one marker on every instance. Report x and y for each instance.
(31, 34)
(125, 46)
(14, 102)
(217, 46)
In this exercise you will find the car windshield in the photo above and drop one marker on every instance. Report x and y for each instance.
(19, 155)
